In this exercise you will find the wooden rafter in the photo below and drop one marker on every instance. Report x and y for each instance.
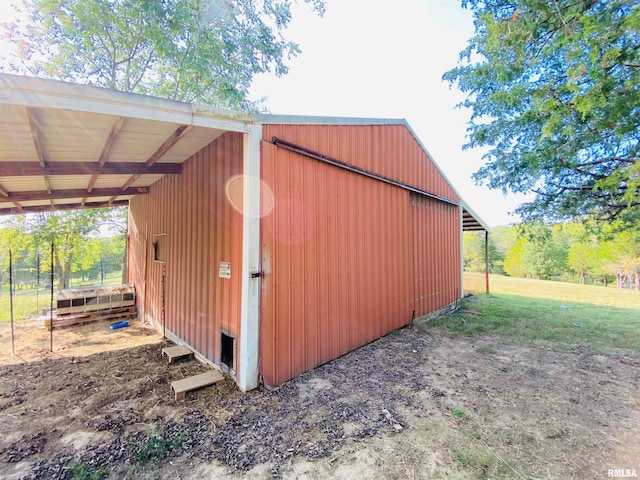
(125, 188)
(33, 126)
(5, 195)
(180, 132)
(67, 206)
(21, 169)
(35, 134)
(75, 193)
(111, 140)
(106, 150)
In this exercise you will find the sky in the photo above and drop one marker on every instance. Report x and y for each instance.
(384, 59)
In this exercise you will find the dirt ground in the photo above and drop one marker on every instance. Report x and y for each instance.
(415, 404)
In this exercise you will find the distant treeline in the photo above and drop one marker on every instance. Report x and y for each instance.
(574, 252)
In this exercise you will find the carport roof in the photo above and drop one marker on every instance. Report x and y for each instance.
(66, 146)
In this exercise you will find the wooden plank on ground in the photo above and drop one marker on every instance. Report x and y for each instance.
(176, 353)
(181, 387)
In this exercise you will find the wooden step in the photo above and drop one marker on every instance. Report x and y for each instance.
(181, 387)
(176, 353)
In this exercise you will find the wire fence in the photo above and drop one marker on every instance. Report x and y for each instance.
(26, 283)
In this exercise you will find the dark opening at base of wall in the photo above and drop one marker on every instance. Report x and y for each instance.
(227, 350)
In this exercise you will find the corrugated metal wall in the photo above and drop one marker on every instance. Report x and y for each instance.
(338, 248)
(436, 254)
(388, 150)
(202, 230)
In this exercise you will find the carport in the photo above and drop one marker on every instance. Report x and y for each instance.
(67, 146)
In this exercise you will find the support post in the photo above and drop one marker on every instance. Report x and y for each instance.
(461, 296)
(13, 335)
(250, 303)
(486, 260)
(51, 302)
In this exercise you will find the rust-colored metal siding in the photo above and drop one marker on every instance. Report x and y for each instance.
(339, 248)
(436, 254)
(335, 261)
(202, 229)
(388, 150)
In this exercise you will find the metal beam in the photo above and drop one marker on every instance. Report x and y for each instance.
(24, 169)
(74, 193)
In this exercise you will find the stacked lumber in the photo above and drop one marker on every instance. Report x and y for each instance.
(122, 313)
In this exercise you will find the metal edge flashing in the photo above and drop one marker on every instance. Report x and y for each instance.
(47, 93)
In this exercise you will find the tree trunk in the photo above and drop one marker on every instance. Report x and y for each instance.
(64, 272)
(583, 277)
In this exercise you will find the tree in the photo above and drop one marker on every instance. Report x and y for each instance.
(473, 253)
(68, 231)
(554, 89)
(189, 50)
(11, 240)
(513, 264)
(623, 257)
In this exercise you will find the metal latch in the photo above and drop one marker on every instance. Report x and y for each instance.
(256, 274)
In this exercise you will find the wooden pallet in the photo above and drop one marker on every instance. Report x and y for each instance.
(125, 313)
(181, 387)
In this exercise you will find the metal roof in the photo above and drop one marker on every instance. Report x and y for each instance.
(65, 146)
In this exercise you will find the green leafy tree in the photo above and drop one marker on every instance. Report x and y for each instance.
(554, 90)
(473, 253)
(539, 252)
(189, 50)
(68, 231)
(582, 259)
(622, 257)
(11, 240)
(513, 259)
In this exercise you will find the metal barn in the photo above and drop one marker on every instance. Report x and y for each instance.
(269, 244)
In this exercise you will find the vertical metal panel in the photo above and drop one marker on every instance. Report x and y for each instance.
(202, 230)
(436, 264)
(388, 150)
(336, 270)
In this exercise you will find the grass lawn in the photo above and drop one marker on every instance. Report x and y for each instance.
(27, 303)
(602, 319)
